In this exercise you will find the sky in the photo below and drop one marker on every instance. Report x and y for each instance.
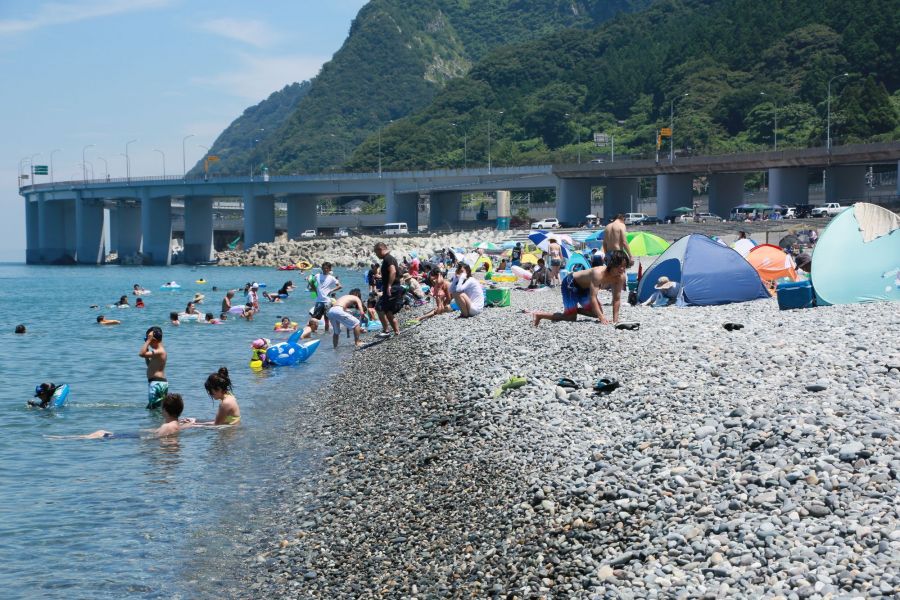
(99, 73)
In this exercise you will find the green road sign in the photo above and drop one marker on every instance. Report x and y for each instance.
(40, 170)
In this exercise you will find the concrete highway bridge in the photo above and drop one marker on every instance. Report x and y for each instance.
(65, 221)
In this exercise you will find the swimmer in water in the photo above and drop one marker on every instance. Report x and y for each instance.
(218, 386)
(173, 319)
(172, 407)
(104, 321)
(285, 325)
(155, 357)
(45, 393)
(312, 326)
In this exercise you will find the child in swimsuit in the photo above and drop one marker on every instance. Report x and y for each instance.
(218, 386)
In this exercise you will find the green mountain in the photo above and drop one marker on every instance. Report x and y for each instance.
(730, 66)
(256, 125)
(398, 56)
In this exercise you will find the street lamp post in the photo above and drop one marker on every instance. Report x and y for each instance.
(775, 116)
(672, 127)
(465, 145)
(83, 168)
(51, 162)
(31, 160)
(163, 154)
(128, 161)
(105, 166)
(828, 126)
(489, 141)
(183, 162)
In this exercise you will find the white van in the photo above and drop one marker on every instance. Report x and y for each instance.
(395, 229)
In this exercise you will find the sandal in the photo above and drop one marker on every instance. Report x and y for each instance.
(565, 382)
(629, 326)
(605, 385)
(733, 326)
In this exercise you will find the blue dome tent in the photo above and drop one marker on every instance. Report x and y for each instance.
(857, 257)
(707, 273)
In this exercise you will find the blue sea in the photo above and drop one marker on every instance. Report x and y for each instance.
(141, 518)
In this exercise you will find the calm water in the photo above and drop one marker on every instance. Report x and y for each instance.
(137, 518)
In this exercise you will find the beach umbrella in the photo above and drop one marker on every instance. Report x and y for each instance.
(683, 210)
(487, 246)
(595, 240)
(529, 258)
(646, 244)
(756, 206)
(788, 241)
(541, 239)
(581, 236)
(508, 245)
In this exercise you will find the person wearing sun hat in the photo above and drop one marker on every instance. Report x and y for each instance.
(666, 293)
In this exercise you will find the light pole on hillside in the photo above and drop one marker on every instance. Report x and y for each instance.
(828, 126)
(489, 141)
(465, 145)
(775, 126)
(183, 152)
(672, 126)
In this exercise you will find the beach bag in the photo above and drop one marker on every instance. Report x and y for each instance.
(497, 297)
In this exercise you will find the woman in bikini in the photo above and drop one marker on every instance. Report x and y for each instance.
(218, 386)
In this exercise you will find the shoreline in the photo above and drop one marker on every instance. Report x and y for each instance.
(712, 470)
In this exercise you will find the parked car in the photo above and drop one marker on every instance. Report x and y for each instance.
(648, 221)
(395, 229)
(549, 223)
(829, 209)
(342, 233)
(704, 217)
(633, 218)
(309, 233)
(802, 211)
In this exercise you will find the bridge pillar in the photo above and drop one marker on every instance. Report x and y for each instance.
(444, 209)
(726, 190)
(32, 232)
(573, 200)
(898, 177)
(845, 183)
(156, 227)
(89, 246)
(403, 208)
(125, 229)
(198, 229)
(788, 185)
(302, 214)
(55, 234)
(259, 218)
(619, 195)
(673, 191)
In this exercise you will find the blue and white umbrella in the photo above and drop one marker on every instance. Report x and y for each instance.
(541, 239)
(595, 240)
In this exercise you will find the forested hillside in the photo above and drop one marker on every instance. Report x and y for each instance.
(398, 55)
(730, 66)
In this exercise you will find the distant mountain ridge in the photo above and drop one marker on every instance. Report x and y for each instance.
(398, 55)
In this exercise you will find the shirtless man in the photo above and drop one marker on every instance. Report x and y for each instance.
(555, 252)
(172, 407)
(104, 321)
(338, 315)
(614, 238)
(155, 356)
(579, 291)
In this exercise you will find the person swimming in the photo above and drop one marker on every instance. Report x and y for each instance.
(45, 392)
(172, 407)
(218, 386)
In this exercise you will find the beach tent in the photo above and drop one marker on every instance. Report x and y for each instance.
(857, 257)
(577, 262)
(708, 272)
(772, 264)
(744, 246)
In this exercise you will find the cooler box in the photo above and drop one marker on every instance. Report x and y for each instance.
(796, 294)
(496, 297)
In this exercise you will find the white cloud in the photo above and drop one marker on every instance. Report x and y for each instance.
(259, 76)
(254, 33)
(57, 13)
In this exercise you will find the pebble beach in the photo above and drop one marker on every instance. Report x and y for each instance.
(760, 462)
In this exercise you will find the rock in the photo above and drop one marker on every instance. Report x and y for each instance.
(850, 451)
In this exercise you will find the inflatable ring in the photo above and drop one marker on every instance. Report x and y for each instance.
(304, 265)
(292, 329)
(200, 281)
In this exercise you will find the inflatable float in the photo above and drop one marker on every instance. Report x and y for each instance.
(292, 351)
(236, 310)
(520, 272)
(200, 281)
(171, 285)
(278, 327)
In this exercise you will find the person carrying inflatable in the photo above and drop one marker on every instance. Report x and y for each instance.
(259, 360)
